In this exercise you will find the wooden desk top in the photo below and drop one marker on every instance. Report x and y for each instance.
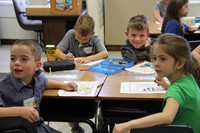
(38, 10)
(154, 28)
(45, 11)
(74, 75)
(111, 89)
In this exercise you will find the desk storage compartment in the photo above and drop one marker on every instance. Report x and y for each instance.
(68, 110)
(66, 7)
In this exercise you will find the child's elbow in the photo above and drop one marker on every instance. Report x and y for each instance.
(105, 54)
(168, 119)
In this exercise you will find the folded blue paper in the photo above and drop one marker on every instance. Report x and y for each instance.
(111, 66)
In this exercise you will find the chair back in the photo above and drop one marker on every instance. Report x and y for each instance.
(16, 125)
(21, 5)
(164, 129)
(194, 44)
(24, 22)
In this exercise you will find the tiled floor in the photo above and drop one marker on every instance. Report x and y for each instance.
(4, 67)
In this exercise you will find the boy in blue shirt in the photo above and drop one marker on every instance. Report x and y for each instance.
(21, 90)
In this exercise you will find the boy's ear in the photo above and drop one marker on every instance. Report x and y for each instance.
(38, 65)
(93, 33)
(126, 33)
(148, 34)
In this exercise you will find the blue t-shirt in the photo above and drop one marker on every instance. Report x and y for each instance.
(174, 27)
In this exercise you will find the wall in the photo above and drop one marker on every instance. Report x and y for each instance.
(9, 27)
(194, 8)
(95, 9)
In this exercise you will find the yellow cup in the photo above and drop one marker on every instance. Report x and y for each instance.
(51, 52)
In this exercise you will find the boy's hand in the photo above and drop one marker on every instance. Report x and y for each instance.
(83, 60)
(162, 82)
(29, 113)
(148, 42)
(69, 86)
(69, 56)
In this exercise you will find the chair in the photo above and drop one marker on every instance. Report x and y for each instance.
(24, 22)
(194, 44)
(164, 129)
(16, 125)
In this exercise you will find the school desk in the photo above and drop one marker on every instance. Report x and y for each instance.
(119, 107)
(155, 31)
(54, 26)
(71, 108)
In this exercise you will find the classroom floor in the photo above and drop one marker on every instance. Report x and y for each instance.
(61, 126)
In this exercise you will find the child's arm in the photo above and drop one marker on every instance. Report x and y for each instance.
(165, 117)
(193, 29)
(157, 17)
(29, 113)
(196, 52)
(101, 55)
(70, 86)
(63, 56)
(148, 42)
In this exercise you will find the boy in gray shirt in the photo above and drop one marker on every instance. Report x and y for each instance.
(160, 9)
(81, 43)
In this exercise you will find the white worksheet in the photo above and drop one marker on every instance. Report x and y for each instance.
(142, 68)
(141, 87)
(84, 89)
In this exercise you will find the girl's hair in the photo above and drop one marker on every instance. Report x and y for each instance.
(138, 22)
(85, 24)
(35, 49)
(172, 12)
(178, 48)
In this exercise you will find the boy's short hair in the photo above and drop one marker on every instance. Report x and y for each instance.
(138, 22)
(36, 49)
(85, 24)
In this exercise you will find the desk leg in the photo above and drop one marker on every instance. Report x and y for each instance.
(92, 125)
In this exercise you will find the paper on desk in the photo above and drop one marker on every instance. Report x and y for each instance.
(142, 68)
(159, 28)
(141, 87)
(91, 63)
(84, 89)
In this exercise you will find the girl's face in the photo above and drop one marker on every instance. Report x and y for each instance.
(183, 12)
(137, 38)
(164, 64)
